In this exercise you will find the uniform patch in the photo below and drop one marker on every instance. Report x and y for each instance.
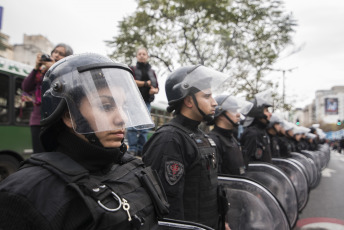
(174, 170)
(259, 153)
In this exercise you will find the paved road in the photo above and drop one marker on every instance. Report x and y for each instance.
(325, 207)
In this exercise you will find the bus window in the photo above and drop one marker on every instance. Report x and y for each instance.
(22, 104)
(4, 99)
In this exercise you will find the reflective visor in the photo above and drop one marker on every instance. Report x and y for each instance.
(235, 105)
(202, 78)
(102, 99)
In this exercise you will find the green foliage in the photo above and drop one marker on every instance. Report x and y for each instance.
(240, 37)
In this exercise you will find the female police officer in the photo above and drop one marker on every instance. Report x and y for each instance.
(85, 180)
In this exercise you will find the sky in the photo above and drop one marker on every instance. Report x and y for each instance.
(86, 24)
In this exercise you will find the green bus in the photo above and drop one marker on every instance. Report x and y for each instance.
(15, 135)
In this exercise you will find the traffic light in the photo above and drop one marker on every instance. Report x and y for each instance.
(297, 121)
(339, 122)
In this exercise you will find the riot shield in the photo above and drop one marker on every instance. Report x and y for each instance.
(278, 183)
(309, 166)
(252, 206)
(172, 224)
(315, 157)
(325, 148)
(297, 177)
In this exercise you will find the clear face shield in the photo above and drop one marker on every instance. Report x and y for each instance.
(102, 98)
(235, 106)
(204, 79)
(264, 98)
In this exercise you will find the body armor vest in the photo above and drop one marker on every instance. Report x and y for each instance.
(231, 147)
(124, 198)
(275, 148)
(200, 192)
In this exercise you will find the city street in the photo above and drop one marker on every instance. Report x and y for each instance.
(325, 208)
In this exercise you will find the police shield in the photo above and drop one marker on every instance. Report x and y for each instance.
(172, 224)
(278, 183)
(309, 166)
(251, 205)
(297, 177)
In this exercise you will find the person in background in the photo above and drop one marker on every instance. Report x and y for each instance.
(147, 82)
(32, 85)
(85, 179)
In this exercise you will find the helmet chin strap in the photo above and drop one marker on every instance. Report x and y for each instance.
(93, 139)
(230, 120)
(206, 117)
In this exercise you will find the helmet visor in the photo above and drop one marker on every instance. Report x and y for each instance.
(264, 98)
(235, 105)
(202, 78)
(102, 99)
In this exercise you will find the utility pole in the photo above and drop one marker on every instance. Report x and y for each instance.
(283, 80)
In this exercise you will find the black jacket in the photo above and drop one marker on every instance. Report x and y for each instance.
(61, 190)
(256, 144)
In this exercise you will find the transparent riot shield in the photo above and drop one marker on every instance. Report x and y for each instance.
(309, 167)
(325, 148)
(171, 224)
(297, 177)
(252, 206)
(279, 184)
(315, 157)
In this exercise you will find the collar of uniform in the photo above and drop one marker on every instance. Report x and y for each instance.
(91, 157)
(223, 132)
(187, 122)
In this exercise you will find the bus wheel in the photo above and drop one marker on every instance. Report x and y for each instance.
(8, 165)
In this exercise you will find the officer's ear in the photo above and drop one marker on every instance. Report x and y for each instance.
(188, 102)
(66, 118)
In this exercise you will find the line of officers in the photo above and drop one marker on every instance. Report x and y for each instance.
(86, 180)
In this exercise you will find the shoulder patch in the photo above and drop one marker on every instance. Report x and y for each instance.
(174, 171)
(259, 153)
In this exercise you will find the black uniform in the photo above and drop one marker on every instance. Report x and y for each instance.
(256, 144)
(274, 146)
(185, 159)
(65, 190)
(284, 146)
(230, 157)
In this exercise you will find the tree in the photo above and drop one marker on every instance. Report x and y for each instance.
(240, 37)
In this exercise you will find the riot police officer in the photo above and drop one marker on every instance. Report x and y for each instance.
(273, 129)
(183, 155)
(85, 180)
(255, 140)
(227, 120)
(285, 147)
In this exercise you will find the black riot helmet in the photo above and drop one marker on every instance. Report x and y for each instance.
(186, 81)
(98, 84)
(233, 105)
(261, 101)
(275, 119)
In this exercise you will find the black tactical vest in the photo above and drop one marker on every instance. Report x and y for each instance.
(200, 190)
(275, 148)
(231, 147)
(128, 197)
